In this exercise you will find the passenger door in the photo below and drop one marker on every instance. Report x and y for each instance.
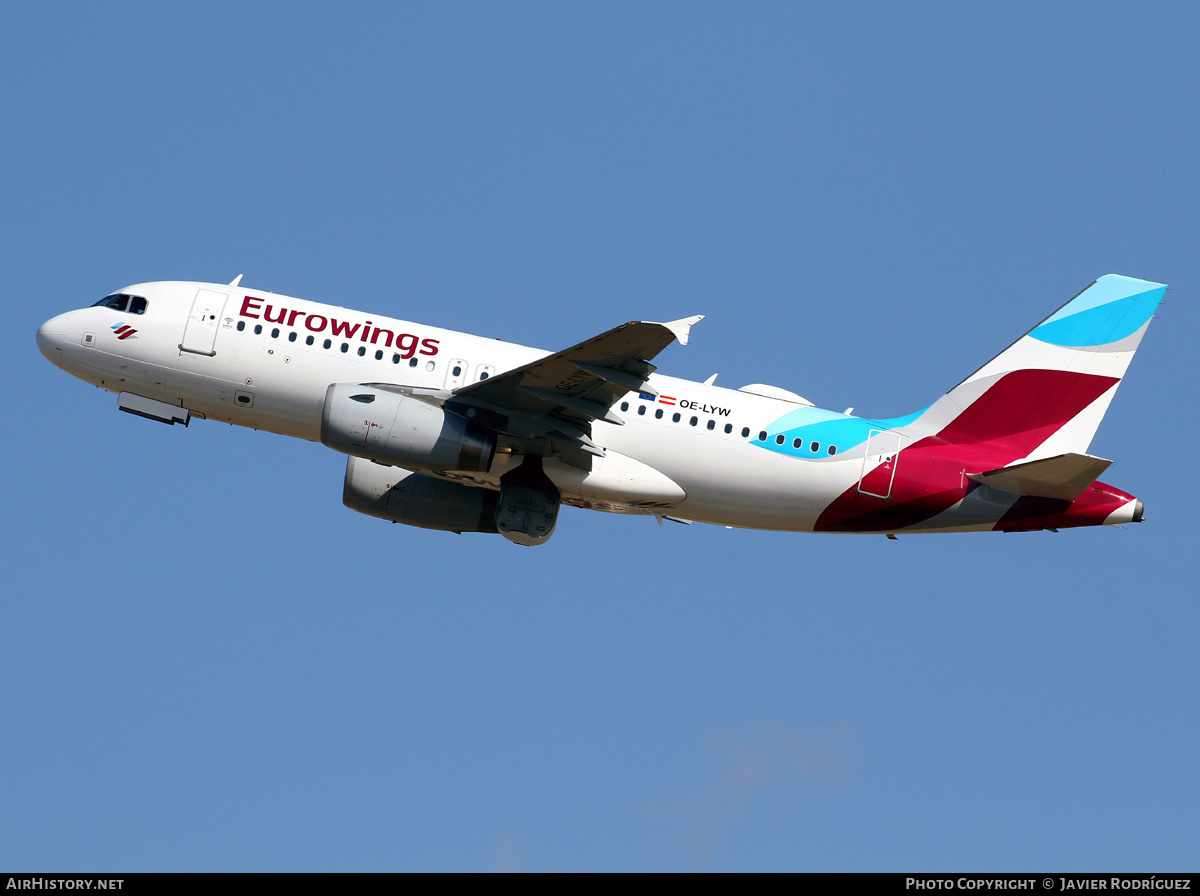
(200, 334)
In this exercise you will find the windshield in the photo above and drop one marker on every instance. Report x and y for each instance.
(123, 302)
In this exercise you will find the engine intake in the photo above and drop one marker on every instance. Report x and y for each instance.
(417, 500)
(385, 426)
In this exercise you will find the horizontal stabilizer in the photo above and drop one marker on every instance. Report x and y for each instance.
(1064, 477)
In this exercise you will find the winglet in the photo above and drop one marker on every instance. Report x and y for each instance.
(236, 280)
(682, 327)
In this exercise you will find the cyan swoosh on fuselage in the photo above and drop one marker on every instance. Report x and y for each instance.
(825, 429)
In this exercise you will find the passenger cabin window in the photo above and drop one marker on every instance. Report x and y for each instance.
(123, 302)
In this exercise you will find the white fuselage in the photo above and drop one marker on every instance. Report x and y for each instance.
(266, 361)
(1004, 450)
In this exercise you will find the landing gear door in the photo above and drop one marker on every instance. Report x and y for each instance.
(879, 463)
(201, 331)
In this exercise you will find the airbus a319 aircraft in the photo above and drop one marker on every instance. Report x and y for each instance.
(461, 433)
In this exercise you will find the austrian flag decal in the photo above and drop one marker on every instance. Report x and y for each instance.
(123, 330)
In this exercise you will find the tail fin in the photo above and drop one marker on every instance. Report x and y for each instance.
(1046, 394)
(1021, 425)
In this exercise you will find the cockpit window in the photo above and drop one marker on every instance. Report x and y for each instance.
(123, 302)
(117, 302)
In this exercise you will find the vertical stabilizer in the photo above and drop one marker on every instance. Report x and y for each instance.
(1046, 394)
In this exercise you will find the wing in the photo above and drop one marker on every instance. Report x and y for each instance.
(560, 395)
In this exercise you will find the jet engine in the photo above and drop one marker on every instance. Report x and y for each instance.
(417, 500)
(386, 426)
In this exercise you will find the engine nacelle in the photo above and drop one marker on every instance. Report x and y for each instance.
(417, 500)
(391, 428)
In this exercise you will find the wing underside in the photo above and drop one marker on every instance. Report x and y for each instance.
(556, 399)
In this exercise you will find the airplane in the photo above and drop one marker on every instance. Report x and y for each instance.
(455, 432)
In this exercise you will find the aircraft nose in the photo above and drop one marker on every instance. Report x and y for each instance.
(50, 338)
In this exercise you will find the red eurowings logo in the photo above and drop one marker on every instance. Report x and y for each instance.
(123, 330)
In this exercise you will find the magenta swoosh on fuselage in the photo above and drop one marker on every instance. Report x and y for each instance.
(1091, 508)
(1019, 412)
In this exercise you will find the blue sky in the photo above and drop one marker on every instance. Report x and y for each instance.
(208, 663)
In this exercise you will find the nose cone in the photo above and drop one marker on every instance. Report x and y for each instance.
(50, 338)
